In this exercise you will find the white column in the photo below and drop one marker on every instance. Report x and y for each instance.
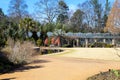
(86, 42)
(113, 41)
(77, 40)
(104, 40)
(95, 40)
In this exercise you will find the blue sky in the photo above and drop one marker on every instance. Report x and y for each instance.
(71, 3)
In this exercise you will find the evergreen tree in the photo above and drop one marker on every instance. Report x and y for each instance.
(76, 20)
(62, 12)
(106, 12)
(3, 28)
(28, 24)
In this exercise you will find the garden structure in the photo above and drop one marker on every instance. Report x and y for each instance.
(89, 38)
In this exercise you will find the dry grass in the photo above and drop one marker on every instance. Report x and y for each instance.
(19, 53)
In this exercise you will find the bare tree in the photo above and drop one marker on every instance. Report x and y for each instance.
(45, 10)
(113, 22)
(17, 9)
(88, 13)
(95, 13)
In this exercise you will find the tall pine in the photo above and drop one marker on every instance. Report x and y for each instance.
(62, 12)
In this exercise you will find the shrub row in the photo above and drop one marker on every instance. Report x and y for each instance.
(98, 44)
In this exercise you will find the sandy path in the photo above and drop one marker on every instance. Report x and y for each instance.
(61, 68)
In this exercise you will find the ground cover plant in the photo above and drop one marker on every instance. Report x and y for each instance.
(109, 75)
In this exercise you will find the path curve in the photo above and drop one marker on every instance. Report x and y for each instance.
(61, 68)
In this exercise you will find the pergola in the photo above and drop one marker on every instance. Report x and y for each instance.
(87, 38)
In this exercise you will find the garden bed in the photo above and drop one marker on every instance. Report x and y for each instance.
(47, 50)
(109, 75)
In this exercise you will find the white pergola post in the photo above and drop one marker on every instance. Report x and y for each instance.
(77, 40)
(104, 40)
(113, 41)
(86, 42)
(73, 43)
(95, 40)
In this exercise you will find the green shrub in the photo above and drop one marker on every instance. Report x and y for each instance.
(2, 43)
(5, 64)
(98, 44)
(109, 45)
(116, 72)
(1, 68)
(49, 41)
(39, 42)
(66, 45)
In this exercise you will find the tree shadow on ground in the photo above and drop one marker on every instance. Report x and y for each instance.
(8, 78)
(28, 67)
(25, 68)
(40, 61)
(117, 52)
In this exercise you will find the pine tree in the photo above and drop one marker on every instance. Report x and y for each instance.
(62, 12)
(76, 20)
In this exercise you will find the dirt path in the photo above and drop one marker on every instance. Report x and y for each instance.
(61, 68)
